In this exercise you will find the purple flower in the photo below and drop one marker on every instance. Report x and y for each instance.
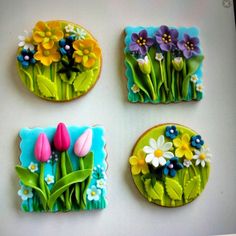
(166, 38)
(140, 42)
(189, 46)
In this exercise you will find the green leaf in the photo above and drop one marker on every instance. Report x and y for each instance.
(77, 193)
(28, 75)
(155, 192)
(83, 81)
(69, 167)
(46, 86)
(88, 164)
(65, 182)
(192, 188)
(174, 189)
(192, 66)
(136, 77)
(31, 179)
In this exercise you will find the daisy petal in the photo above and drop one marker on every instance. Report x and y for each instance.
(149, 158)
(168, 155)
(197, 162)
(148, 149)
(162, 161)
(160, 141)
(153, 143)
(203, 163)
(195, 156)
(155, 162)
(21, 43)
(167, 146)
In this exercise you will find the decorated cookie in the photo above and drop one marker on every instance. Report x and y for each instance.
(62, 169)
(58, 60)
(170, 165)
(163, 64)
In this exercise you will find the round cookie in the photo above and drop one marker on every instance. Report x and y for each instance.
(170, 165)
(58, 60)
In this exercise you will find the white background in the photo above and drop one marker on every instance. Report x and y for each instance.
(128, 213)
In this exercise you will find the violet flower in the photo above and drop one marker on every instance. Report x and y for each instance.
(140, 42)
(189, 46)
(166, 38)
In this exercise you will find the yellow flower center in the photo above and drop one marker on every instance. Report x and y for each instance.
(158, 153)
(48, 34)
(86, 51)
(141, 41)
(141, 162)
(202, 156)
(185, 147)
(46, 53)
(33, 167)
(166, 38)
(93, 193)
(26, 192)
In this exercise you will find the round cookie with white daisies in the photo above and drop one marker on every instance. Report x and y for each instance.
(170, 165)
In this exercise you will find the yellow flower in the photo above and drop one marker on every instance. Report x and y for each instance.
(47, 56)
(47, 33)
(86, 52)
(183, 147)
(138, 163)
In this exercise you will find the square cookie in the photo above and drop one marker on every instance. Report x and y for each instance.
(163, 64)
(62, 168)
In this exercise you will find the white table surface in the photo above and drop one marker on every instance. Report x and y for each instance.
(128, 213)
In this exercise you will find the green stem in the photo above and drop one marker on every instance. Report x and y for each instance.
(178, 85)
(38, 68)
(173, 84)
(150, 85)
(194, 93)
(141, 97)
(163, 75)
(153, 76)
(41, 177)
(64, 173)
(168, 70)
(82, 203)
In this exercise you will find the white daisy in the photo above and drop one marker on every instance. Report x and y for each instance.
(135, 88)
(187, 163)
(33, 167)
(101, 183)
(49, 179)
(202, 156)
(194, 78)
(159, 56)
(93, 193)
(80, 33)
(69, 28)
(26, 41)
(25, 192)
(199, 88)
(158, 151)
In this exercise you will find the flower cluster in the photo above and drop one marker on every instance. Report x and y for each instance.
(49, 43)
(165, 39)
(166, 158)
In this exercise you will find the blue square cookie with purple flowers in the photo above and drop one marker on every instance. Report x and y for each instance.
(163, 64)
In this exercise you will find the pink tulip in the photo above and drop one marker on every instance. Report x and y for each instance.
(83, 144)
(62, 138)
(42, 148)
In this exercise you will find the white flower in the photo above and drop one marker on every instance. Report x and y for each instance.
(49, 179)
(158, 151)
(187, 163)
(144, 65)
(101, 183)
(135, 88)
(202, 156)
(33, 167)
(194, 78)
(159, 56)
(25, 192)
(26, 41)
(69, 28)
(80, 33)
(199, 88)
(93, 193)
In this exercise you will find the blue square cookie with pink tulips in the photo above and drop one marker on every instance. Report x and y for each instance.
(62, 168)
(163, 64)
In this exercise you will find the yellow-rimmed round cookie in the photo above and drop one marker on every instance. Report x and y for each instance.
(170, 165)
(58, 60)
